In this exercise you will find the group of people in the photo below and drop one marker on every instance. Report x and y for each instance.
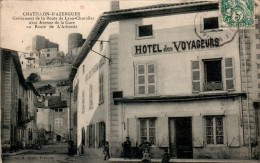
(144, 149)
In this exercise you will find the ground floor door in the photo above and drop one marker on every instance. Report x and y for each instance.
(180, 137)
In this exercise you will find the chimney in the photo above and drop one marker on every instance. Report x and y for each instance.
(114, 5)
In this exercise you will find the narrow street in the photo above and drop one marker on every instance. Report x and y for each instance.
(49, 153)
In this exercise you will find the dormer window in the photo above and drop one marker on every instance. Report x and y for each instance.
(145, 31)
(211, 23)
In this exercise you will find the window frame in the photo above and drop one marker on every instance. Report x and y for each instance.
(147, 121)
(138, 32)
(146, 76)
(214, 130)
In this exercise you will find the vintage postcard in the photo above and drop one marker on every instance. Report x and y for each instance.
(130, 81)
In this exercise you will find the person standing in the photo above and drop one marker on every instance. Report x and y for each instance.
(106, 151)
(127, 147)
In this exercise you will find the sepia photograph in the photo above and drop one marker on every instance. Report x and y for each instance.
(128, 81)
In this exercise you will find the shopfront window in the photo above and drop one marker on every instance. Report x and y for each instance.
(214, 130)
(147, 127)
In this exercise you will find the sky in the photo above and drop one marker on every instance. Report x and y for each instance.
(14, 34)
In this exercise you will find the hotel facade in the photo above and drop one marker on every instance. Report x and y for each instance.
(170, 75)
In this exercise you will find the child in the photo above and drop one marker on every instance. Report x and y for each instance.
(106, 151)
(166, 157)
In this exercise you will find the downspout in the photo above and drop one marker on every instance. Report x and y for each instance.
(247, 100)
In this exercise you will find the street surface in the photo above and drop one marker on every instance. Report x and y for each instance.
(49, 154)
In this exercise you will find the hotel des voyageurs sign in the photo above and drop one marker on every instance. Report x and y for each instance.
(175, 46)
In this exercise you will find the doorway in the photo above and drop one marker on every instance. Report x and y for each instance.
(180, 133)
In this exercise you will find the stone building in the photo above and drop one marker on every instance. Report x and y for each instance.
(170, 75)
(18, 104)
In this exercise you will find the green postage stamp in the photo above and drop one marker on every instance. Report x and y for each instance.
(237, 13)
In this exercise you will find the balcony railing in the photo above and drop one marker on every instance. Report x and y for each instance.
(213, 86)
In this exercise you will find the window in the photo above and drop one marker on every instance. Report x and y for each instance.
(48, 55)
(218, 74)
(83, 136)
(90, 96)
(91, 135)
(101, 134)
(83, 69)
(214, 130)
(145, 30)
(211, 23)
(60, 110)
(83, 102)
(212, 75)
(58, 122)
(146, 79)
(101, 89)
(147, 127)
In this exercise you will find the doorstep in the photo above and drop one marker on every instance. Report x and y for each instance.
(185, 160)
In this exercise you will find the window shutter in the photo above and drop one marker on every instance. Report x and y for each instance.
(162, 138)
(198, 131)
(132, 130)
(232, 130)
(97, 134)
(229, 73)
(87, 137)
(93, 136)
(195, 68)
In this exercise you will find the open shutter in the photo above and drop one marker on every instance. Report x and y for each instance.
(97, 134)
(232, 129)
(229, 74)
(87, 136)
(195, 68)
(198, 131)
(132, 130)
(162, 133)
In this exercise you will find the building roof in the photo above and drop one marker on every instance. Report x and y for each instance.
(140, 12)
(18, 67)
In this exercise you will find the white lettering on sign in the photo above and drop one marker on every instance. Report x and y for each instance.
(175, 46)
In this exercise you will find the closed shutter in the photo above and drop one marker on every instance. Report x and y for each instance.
(162, 133)
(195, 68)
(229, 74)
(232, 129)
(132, 130)
(198, 131)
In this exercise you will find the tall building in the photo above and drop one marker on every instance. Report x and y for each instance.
(171, 76)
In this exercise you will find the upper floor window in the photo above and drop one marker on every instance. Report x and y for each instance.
(90, 96)
(213, 75)
(48, 55)
(101, 89)
(83, 69)
(83, 101)
(211, 23)
(214, 130)
(145, 30)
(146, 82)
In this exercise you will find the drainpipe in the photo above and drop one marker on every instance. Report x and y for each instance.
(247, 100)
